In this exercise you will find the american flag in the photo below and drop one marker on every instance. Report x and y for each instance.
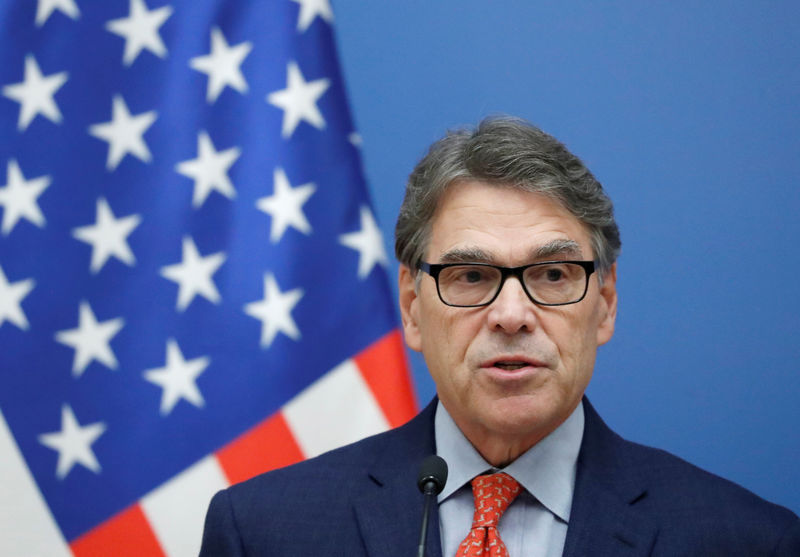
(193, 287)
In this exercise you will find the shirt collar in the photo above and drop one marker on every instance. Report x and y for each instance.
(546, 470)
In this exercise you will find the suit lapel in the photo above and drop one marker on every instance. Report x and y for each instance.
(389, 511)
(601, 524)
(605, 520)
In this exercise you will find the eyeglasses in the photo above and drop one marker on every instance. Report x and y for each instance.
(548, 283)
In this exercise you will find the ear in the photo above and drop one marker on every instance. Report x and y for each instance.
(608, 301)
(409, 308)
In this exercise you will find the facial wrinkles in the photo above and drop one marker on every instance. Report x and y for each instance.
(477, 244)
(561, 247)
(535, 343)
(462, 223)
(558, 249)
(519, 345)
(530, 341)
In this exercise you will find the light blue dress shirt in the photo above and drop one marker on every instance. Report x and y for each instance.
(535, 525)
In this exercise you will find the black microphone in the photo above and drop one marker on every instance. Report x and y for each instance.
(431, 479)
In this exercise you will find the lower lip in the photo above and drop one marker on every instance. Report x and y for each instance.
(517, 374)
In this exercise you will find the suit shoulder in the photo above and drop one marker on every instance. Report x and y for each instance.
(694, 511)
(667, 480)
(672, 474)
(687, 498)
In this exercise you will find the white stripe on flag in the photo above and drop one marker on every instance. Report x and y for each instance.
(337, 409)
(26, 526)
(176, 510)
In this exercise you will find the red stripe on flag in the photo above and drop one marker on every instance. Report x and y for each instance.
(267, 446)
(126, 534)
(383, 366)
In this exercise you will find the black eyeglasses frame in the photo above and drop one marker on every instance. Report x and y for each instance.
(434, 269)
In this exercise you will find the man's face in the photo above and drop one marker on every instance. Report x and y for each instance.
(511, 372)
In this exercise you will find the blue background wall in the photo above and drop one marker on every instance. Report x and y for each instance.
(688, 114)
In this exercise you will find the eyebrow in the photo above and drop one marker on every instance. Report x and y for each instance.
(558, 248)
(466, 255)
(561, 248)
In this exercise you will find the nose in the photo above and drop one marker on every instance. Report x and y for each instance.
(512, 311)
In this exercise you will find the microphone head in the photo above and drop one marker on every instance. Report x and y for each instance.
(432, 474)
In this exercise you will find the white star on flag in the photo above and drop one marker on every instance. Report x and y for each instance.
(124, 133)
(46, 7)
(222, 65)
(11, 296)
(140, 30)
(73, 443)
(35, 94)
(368, 242)
(90, 340)
(309, 9)
(275, 311)
(209, 170)
(285, 206)
(299, 100)
(178, 378)
(18, 198)
(108, 236)
(193, 275)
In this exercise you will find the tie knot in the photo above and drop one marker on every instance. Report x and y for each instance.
(493, 494)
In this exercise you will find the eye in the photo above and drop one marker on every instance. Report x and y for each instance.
(467, 275)
(472, 276)
(554, 274)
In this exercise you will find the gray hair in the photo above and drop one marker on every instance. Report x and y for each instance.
(509, 152)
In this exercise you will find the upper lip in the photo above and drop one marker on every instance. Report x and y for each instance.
(513, 359)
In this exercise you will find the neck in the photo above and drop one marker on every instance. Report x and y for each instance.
(500, 446)
(501, 452)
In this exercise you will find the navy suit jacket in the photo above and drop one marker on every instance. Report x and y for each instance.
(362, 499)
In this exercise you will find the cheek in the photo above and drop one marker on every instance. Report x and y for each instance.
(447, 334)
(576, 344)
(439, 334)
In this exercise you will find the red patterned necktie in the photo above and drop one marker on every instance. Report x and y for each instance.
(493, 494)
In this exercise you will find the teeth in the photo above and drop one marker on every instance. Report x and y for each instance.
(510, 365)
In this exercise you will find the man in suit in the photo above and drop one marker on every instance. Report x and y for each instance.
(507, 245)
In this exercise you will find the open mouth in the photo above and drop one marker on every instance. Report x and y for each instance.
(510, 366)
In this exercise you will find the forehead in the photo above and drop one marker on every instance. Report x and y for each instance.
(503, 224)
